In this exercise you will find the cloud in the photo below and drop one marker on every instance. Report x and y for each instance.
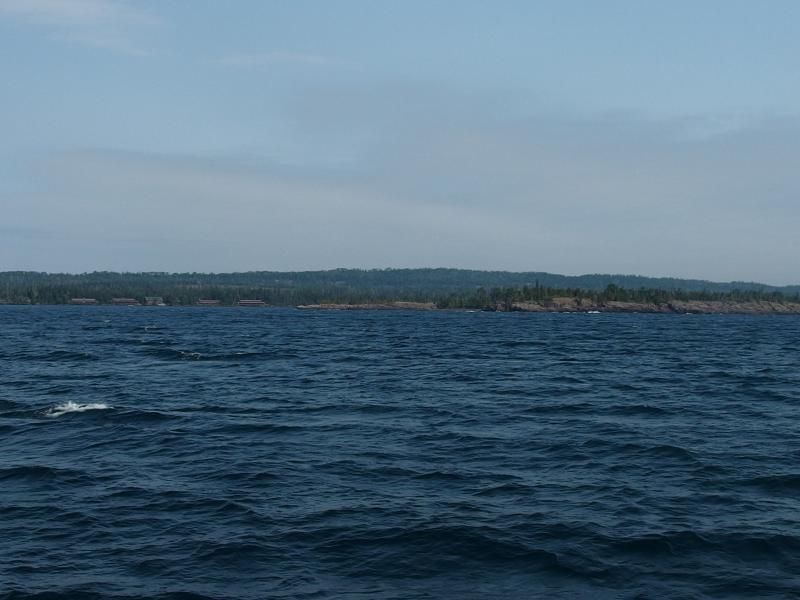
(432, 179)
(24, 232)
(76, 13)
(267, 59)
(109, 24)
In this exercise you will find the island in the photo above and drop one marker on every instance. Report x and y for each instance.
(400, 289)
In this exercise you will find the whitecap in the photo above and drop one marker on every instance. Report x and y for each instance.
(70, 406)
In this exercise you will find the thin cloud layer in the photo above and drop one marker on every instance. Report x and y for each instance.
(108, 24)
(471, 187)
(262, 60)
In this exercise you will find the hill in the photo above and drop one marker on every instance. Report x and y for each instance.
(342, 285)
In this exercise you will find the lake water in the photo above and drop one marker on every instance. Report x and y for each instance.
(184, 453)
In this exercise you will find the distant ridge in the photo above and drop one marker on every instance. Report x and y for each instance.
(424, 279)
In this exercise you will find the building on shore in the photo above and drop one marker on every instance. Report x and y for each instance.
(208, 303)
(83, 301)
(252, 303)
(125, 302)
(154, 301)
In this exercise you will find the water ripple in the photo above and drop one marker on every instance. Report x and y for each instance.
(190, 454)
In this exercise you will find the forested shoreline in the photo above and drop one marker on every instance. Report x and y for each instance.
(443, 288)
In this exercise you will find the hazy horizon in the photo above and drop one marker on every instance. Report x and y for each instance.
(417, 268)
(570, 138)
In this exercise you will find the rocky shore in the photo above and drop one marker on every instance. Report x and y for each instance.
(585, 305)
(372, 306)
(675, 306)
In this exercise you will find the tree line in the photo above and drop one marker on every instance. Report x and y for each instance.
(545, 295)
(448, 288)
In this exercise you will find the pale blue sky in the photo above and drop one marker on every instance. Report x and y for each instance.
(660, 138)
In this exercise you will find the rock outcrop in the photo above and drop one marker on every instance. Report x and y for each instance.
(372, 306)
(756, 307)
(584, 305)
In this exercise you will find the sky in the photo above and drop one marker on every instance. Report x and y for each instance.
(640, 136)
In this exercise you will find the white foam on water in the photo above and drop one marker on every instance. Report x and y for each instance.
(70, 406)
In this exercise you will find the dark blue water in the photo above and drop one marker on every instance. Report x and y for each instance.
(270, 453)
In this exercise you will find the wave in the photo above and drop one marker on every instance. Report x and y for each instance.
(506, 489)
(154, 329)
(242, 553)
(70, 407)
(385, 552)
(566, 408)
(771, 546)
(37, 472)
(243, 476)
(241, 428)
(173, 354)
(68, 355)
(788, 483)
(118, 341)
(84, 594)
(637, 409)
(437, 467)
(670, 543)
(52, 355)
(663, 451)
(135, 415)
(523, 344)
(659, 451)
